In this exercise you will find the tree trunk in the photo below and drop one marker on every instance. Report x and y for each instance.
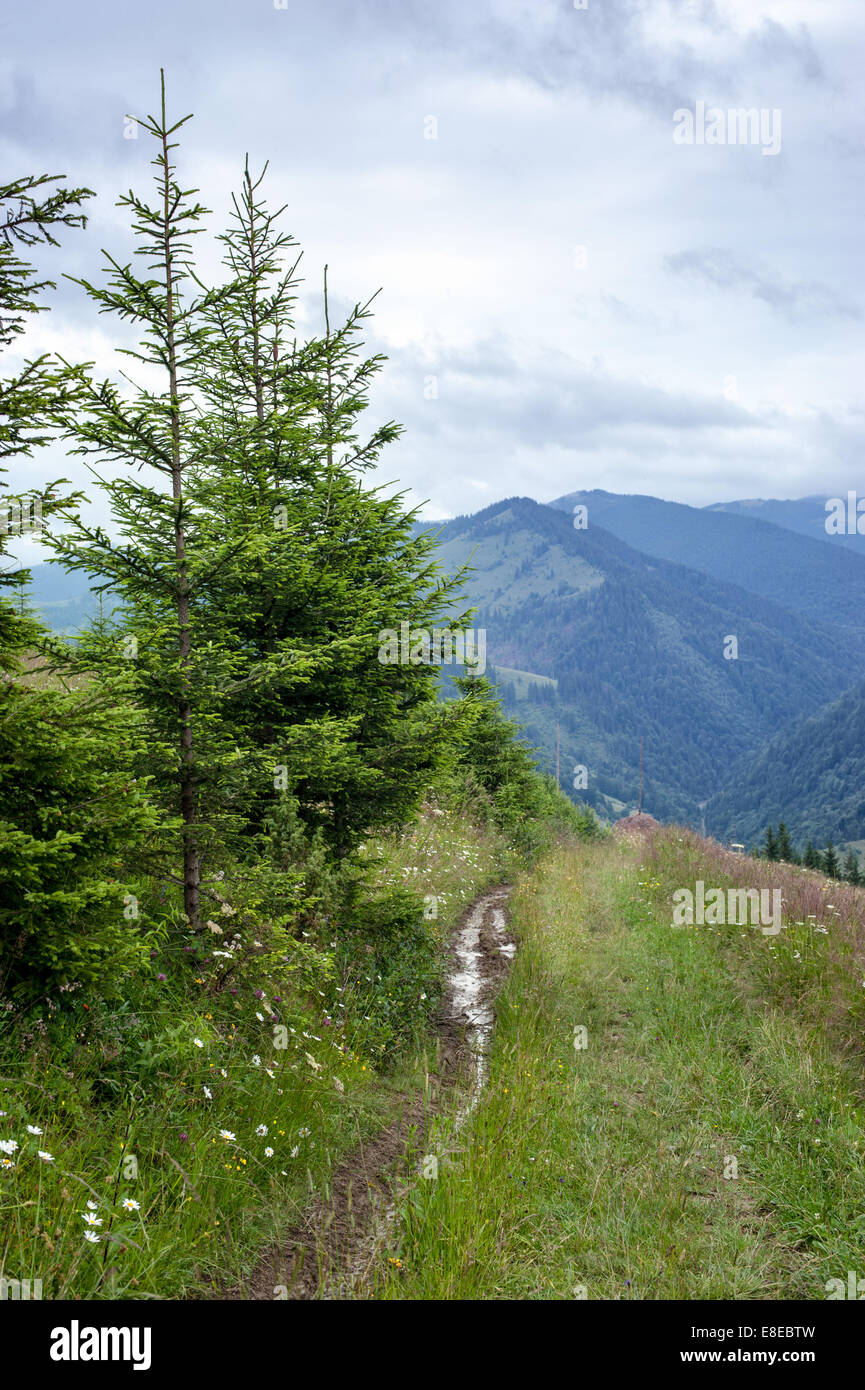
(188, 799)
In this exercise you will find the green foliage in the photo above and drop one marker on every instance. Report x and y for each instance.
(390, 965)
(494, 758)
(785, 849)
(254, 583)
(71, 812)
(811, 857)
(72, 817)
(30, 208)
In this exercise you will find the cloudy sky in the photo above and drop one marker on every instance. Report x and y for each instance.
(571, 298)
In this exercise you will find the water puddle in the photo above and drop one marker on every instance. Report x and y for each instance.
(469, 1006)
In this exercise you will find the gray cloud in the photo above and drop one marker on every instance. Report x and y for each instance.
(704, 266)
(723, 270)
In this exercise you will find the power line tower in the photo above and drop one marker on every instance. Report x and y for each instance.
(641, 777)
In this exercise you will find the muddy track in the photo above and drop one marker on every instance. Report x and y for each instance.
(331, 1253)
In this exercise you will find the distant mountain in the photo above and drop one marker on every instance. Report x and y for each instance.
(804, 515)
(811, 776)
(615, 642)
(635, 647)
(62, 600)
(822, 582)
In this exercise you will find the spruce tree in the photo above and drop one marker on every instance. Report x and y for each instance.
(771, 847)
(354, 741)
(71, 815)
(785, 849)
(811, 857)
(160, 563)
(851, 871)
(829, 862)
(256, 581)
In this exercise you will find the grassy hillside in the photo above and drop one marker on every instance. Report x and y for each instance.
(670, 1113)
(184, 1131)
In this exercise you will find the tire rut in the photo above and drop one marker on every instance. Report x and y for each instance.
(331, 1253)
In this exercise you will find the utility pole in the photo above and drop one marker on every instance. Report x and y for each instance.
(558, 783)
(641, 777)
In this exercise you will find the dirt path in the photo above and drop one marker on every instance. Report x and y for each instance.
(332, 1252)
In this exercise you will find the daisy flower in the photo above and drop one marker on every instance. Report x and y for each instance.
(33, 1129)
(268, 1153)
(90, 1220)
(92, 1237)
(262, 1130)
(130, 1204)
(208, 1093)
(196, 1042)
(226, 1134)
(46, 1158)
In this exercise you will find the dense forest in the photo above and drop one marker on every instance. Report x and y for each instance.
(812, 775)
(635, 647)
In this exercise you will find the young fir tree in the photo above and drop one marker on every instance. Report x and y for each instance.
(851, 871)
(771, 848)
(811, 857)
(70, 814)
(829, 862)
(350, 739)
(785, 849)
(166, 553)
